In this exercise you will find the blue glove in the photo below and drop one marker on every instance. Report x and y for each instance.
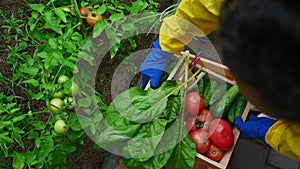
(255, 127)
(154, 65)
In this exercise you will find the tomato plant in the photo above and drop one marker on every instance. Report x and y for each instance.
(46, 43)
(194, 103)
(60, 127)
(92, 18)
(201, 139)
(214, 153)
(221, 134)
(84, 11)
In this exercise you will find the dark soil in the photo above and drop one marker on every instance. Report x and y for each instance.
(88, 157)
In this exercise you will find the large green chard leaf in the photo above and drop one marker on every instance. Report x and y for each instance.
(116, 131)
(144, 127)
(143, 106)
(166, 146)
(163, 150)
(143, 145)
(183, 156)
(128, 112)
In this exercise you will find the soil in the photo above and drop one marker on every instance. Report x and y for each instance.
(88, 157)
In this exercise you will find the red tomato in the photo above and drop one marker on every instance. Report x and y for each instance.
(92, 18)
(190, 124)
(221, 134)
(194, 103)
(214, 153)
(205, 117)
(201, 138)
(84, 11)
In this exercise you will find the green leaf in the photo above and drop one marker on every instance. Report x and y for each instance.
(137, 6)
(158, 161)
(99, 27)
(46, 146)
(53, 43)
(37, 7)
(75, 135)
(116, 131)
(16, 134)
(85, 56)
(84, 122)
(33, 82)
(101, 9)
(85, 102)
(74, 123)
(58, 57)
(69, 64)
(29, 157)
(61, 14)
(117, 16)
(29, 70)
(143, 145)
(19, 118)
(52, 22)
(18, 161)
(67, 147)
(128, 26)
(143, 106)
(59, 157)
(69, 46)
(184, 154)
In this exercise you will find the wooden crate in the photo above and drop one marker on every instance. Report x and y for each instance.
(221, 72)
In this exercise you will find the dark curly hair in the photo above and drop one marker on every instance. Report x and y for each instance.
(261, 46)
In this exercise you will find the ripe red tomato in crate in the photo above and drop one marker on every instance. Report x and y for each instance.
(194, 103)
(214, 153)
(201, 121)
(201, 138)
(221, 134)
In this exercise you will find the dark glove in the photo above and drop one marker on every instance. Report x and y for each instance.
(255, 127)
(154, 65)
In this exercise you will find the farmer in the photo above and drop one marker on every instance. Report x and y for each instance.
(260, 40)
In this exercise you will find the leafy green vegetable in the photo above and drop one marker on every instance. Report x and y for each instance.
(143, 126)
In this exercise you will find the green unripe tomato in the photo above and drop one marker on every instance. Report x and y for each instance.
(55, 105)
(69, 102)
(60, 127)
(62, 79)
(74, 89)
(58, 94)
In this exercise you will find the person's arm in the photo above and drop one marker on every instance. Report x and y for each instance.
(284, 137)
(192, 18)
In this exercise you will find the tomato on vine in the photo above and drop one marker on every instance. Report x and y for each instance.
(92, 18)
(60, 126)
(74, 89)
(58, 94)
(69, 102)
(62, 79)
(84, 11)
(56, 105)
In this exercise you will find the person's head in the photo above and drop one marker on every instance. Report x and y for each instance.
(261, 47)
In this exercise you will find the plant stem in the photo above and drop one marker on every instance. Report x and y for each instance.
(185, 54)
